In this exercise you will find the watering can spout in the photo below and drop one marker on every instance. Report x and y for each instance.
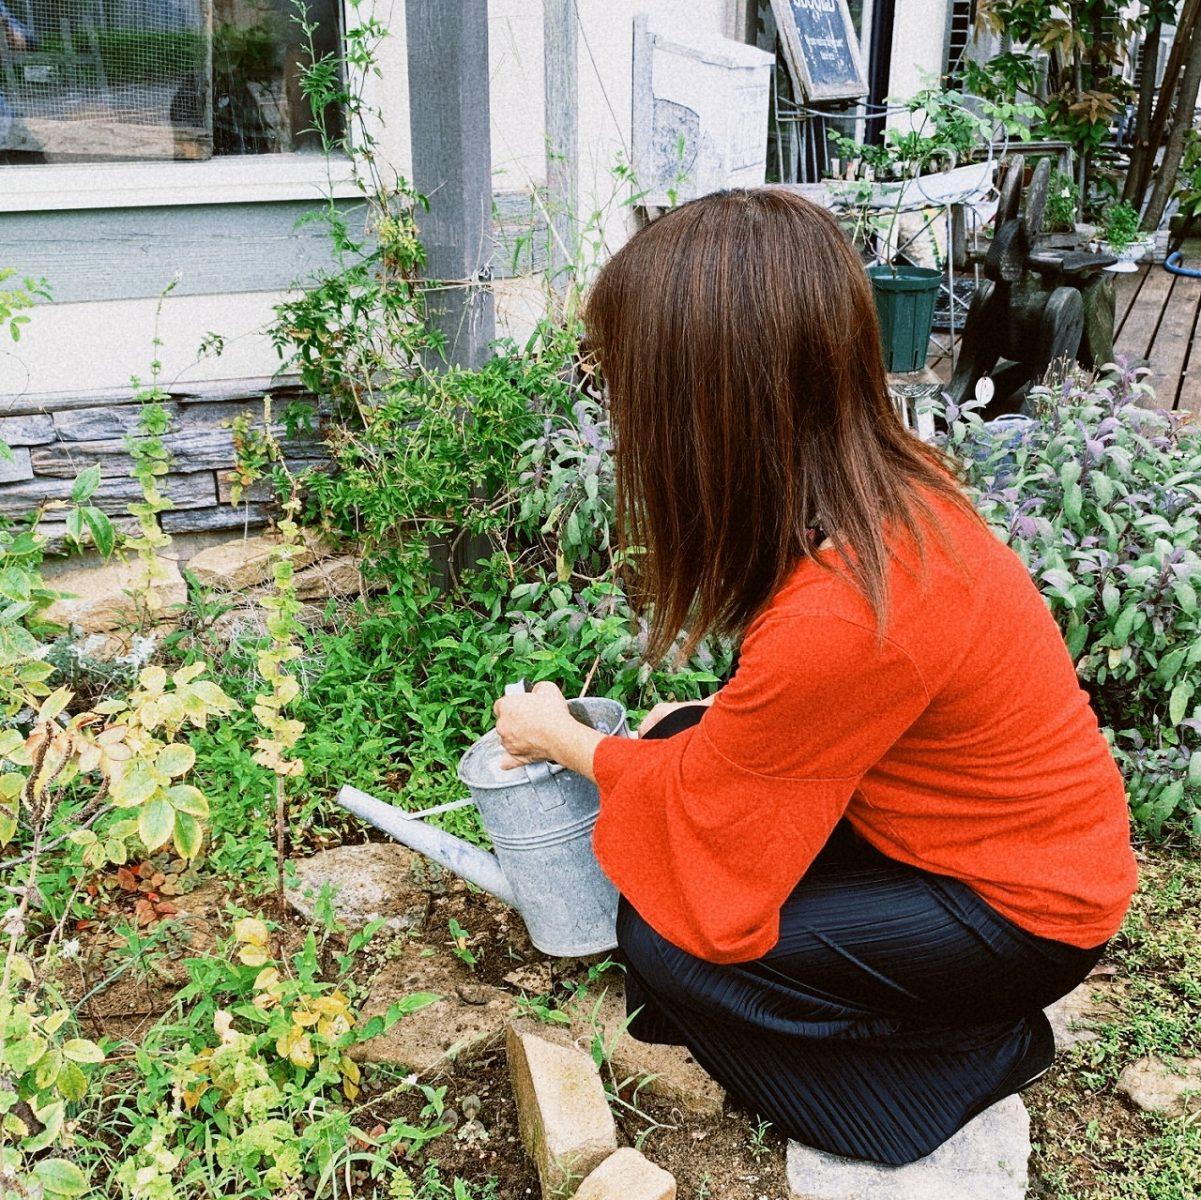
(462, 858)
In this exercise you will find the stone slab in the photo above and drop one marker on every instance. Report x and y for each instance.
(35, 429)
(563, 1113)
(116, 421)
(986, 1160)
(1072, 1017)
(190, 450)
(628, 1175)
(103, 598)
(263, 490)
(674, 1075)
(1154, 1086)
(431, 1039)
(216, 519)
(247, 562)
(16, 467)
(197, 490)
(366, 883)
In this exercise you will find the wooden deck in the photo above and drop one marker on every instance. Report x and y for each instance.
(1156, 321)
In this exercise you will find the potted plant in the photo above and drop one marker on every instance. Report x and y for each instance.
(909, 170)
(1060, 228)
(1122, 237)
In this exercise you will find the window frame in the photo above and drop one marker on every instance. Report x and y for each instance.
(229, 179)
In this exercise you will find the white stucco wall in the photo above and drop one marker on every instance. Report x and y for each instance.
(90, 346)
(918, 42)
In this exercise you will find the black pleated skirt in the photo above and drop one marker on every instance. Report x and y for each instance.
(896, 1006)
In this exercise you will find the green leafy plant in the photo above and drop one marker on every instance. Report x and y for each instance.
(874, 181)
(1063, 203)
(15, 300)
(1188, 186)
(248, 1084)
(1067, 61)
(1120, 226)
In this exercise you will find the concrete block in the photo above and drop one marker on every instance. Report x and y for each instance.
(672, 1073)
(628, 1175)
(1155, 1086)
(985, 1160)
(566, 1125)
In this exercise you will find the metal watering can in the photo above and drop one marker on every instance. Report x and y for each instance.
(540, 820)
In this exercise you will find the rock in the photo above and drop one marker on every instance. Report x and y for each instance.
(674, 1075)
(16, 466)
(1152, 1085)
(563, 1113)
(246, 563)
(534, 978)
(196, 490)
(109, 599)
(430, 1039)
(367, 883)
(58, 541)
(628, 1175)
(33, 429)
(216, 519)
(985, 1160)
(1070, 1017)
(334, 577)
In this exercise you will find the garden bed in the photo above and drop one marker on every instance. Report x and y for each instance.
(1089, 1142)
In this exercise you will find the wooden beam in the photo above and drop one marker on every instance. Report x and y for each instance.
(452, 168)
(1170, 349)
(1138, 331)
(1126, 288)
(560, 34)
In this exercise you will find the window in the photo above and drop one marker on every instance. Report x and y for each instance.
(90, 81)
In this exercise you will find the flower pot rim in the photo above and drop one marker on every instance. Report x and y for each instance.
(904, 279)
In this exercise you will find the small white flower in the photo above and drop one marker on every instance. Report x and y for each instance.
(71, 948)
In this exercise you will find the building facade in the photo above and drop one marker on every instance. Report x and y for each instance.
(148, 145)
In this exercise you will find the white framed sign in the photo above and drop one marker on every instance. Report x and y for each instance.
(822, 48)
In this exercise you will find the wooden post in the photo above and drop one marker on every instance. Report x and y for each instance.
(560, 31)
(452, 168)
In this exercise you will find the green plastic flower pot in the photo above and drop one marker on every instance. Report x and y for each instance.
(905, 305)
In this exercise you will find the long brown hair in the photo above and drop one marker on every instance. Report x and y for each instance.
(738, 341)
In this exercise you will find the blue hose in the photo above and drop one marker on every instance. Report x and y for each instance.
(1175, 263)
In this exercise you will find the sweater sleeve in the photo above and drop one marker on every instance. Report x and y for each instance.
(707, 833)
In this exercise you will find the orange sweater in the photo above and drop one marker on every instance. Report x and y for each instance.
(961, 743)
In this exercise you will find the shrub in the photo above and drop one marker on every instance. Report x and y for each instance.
(1101, 498)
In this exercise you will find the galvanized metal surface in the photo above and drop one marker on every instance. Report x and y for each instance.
(540, 820)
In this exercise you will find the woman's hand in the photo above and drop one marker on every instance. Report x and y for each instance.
(527, 724)
(662, 709)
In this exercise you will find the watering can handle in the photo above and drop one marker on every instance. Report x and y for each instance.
(538, 772)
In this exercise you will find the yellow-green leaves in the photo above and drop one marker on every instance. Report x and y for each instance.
(175, 759)
(156, 822)
(59, 1177)
(11, 785)
(253, 938)
(81, 1050)
(187, 835)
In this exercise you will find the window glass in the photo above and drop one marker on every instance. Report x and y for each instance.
(127, 80)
